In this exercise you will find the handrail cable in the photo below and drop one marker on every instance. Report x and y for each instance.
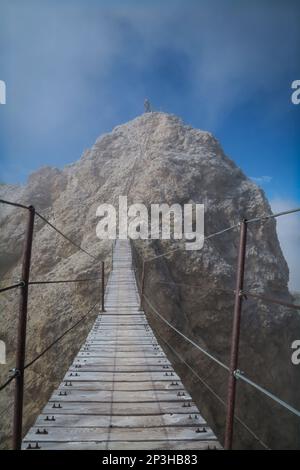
(64, 236)
(13, 286)
(60, 281)
(192, 285)
(244, 293)
(215, 394)
(2, 201)
(271, 216)
(255, 219)
(240, 375)
(60, 337)
(207, 237)
(213, 358)
(5, 384)
(15, 204)
(270, 299)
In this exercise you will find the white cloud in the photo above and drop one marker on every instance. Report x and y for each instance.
(262, 179)
(288, 230)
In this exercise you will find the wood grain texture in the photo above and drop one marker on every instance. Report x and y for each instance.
(121, 391)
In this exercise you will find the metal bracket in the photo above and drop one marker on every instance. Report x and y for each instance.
(243, 295)
(237, 372)
(14, 372)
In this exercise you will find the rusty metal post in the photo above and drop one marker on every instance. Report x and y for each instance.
(142, 286)
(21, 333)
(102, 288)
(235, 337)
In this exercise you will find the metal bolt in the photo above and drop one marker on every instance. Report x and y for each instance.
(44, 431)
(200, 430)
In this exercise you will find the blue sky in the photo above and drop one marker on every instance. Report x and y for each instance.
(75, 69)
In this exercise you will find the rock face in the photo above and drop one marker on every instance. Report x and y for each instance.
(156, 159)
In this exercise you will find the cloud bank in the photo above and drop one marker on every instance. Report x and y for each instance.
(76, 69)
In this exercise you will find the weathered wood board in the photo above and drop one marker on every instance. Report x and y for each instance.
(121, 391)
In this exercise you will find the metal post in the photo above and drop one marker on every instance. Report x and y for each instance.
(235, 338)
(102, 288)
(142, 286)
(21, 334)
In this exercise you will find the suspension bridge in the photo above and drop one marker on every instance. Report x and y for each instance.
(121, 391)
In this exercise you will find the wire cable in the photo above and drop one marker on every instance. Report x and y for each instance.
(240, 375)
(207, 237)
(13, 286)
(213, 358)
(60, 337)
(15, 204)
(229, 291)
(215, 394)
(64, 236)
(271, 300)
(220, 232)
(11, 378)
(272, 216)
(60, 281)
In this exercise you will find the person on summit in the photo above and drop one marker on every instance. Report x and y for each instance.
(147, 106)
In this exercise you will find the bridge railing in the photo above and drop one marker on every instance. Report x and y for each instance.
(18, 372)
(240, 294)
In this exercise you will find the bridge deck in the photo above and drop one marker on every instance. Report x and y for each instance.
(121, 391)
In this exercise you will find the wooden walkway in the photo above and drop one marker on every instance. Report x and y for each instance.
(121, 391)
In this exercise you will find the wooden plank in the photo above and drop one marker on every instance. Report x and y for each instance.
(135, 376)
(123, 445)
(128, 385)
(123, 361)
(129, 368)
(127, 409)
(139, 354)
(167, 433)
(121, 396)
(121, 421)
(121, 391)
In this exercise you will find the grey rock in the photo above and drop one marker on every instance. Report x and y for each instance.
(156, 158)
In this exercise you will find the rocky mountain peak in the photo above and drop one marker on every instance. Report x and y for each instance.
(157, 158)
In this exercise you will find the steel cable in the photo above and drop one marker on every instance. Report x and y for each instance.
(5, 384)
(60, 337)
(207, 237)
(213, 358)
(13, 286)
(240, 375)
(64, 236)
(62, 281)
(215, 394)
